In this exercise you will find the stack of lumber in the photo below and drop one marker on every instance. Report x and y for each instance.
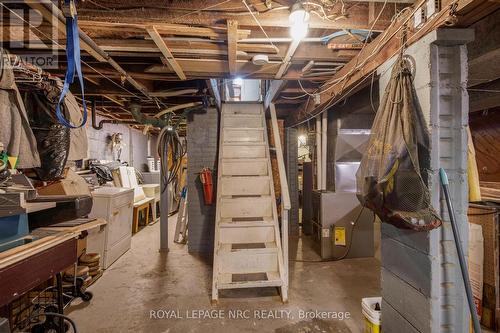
(490, 191)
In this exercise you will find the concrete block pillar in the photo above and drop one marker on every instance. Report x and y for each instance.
(422, 287)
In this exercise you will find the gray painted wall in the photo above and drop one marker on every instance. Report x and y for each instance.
(421, 283)
(134, 151)
(202, 142)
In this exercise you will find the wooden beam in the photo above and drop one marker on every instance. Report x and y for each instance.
(357, 18)
(485, 96)
(166, 52)
(232, 40)
(55, 15)
(288, 58)
(163, 28)
(215, 91)
(273, 92)
(381, 49)
(173, 93)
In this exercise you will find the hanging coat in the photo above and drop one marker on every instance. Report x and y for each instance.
(15, 131)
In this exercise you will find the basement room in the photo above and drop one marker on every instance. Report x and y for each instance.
(286, 166)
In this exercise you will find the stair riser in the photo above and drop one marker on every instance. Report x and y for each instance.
(246, 186)
(242, 121)
(247, 235)
(246, 168)
(234, 135)
(243, 152)
(244, 109)
(246, 207)
(241, 262)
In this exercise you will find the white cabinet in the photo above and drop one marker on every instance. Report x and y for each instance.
(115, 205)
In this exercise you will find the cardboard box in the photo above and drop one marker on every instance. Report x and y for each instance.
(73, 184)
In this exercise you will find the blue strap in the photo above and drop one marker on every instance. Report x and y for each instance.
(73, 57)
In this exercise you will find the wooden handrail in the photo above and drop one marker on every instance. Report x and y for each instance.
(285, 194)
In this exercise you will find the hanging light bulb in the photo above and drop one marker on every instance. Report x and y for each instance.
(299, 19)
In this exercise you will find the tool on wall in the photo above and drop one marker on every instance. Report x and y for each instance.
(74, 63)
(458, 243)
(208, 187)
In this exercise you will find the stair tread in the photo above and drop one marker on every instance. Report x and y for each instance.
(245, 128)
(226, 281)
(270, 247)
(243, 197)
(243, 143)
(247, 224)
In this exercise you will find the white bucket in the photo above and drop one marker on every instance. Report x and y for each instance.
(372, 316)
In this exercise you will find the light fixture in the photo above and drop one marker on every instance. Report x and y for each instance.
(299, 19)
(238, 81)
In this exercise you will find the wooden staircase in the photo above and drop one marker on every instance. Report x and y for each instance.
(248, 247)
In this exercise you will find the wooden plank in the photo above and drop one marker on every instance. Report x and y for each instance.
(22, 276)
(288, 58)
(52, 17)
(357, 19)
(214, 90)
(381, 49)
(281, 162)
(162, 28)
(232, 40)
(273, 92)
(166, 52)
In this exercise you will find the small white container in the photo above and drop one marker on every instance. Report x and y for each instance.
(372, 316)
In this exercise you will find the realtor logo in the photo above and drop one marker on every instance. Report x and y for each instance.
(30, 30)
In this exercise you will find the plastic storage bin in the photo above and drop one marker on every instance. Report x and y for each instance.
(372, 316)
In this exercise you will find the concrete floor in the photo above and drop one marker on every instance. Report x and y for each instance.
(178, 284)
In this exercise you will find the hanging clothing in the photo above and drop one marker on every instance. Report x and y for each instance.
(15, 130)
(78, 145)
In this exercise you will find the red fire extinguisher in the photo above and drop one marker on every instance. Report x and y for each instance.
(208, 188)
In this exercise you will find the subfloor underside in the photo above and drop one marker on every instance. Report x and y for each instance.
(149, 291)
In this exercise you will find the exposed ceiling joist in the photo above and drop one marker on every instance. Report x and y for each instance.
(166, 52)
(288, 59)
(232, 40)
(273, 92)
(54, 14)
(381, 49)
(357, 17)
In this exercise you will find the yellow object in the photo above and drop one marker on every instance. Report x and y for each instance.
(372, 316)
(472, 172)
(371, 327)
(12, 161)
(340, 236)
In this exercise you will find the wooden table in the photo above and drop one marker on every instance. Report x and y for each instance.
(25, 267)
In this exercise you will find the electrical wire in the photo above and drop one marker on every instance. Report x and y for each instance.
(377, 48)
(349, 245)
(83, 62)
(261, 28)
(54, 314)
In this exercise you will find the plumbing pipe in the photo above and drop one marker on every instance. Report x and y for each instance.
(177, 107)
(318, 153)
(104, 121)
(324, 131)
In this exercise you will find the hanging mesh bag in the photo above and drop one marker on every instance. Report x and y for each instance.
(392, 178)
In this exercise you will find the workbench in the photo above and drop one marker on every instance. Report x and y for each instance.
(25, 267)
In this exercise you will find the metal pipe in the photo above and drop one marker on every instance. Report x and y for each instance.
(324, 131)
(104, 121)
(318, 153)
(461, 257)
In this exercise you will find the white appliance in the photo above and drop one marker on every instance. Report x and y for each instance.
(115, 205)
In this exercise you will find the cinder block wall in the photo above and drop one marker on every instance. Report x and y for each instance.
(135, 144)
(202, 142)
(422, 288)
